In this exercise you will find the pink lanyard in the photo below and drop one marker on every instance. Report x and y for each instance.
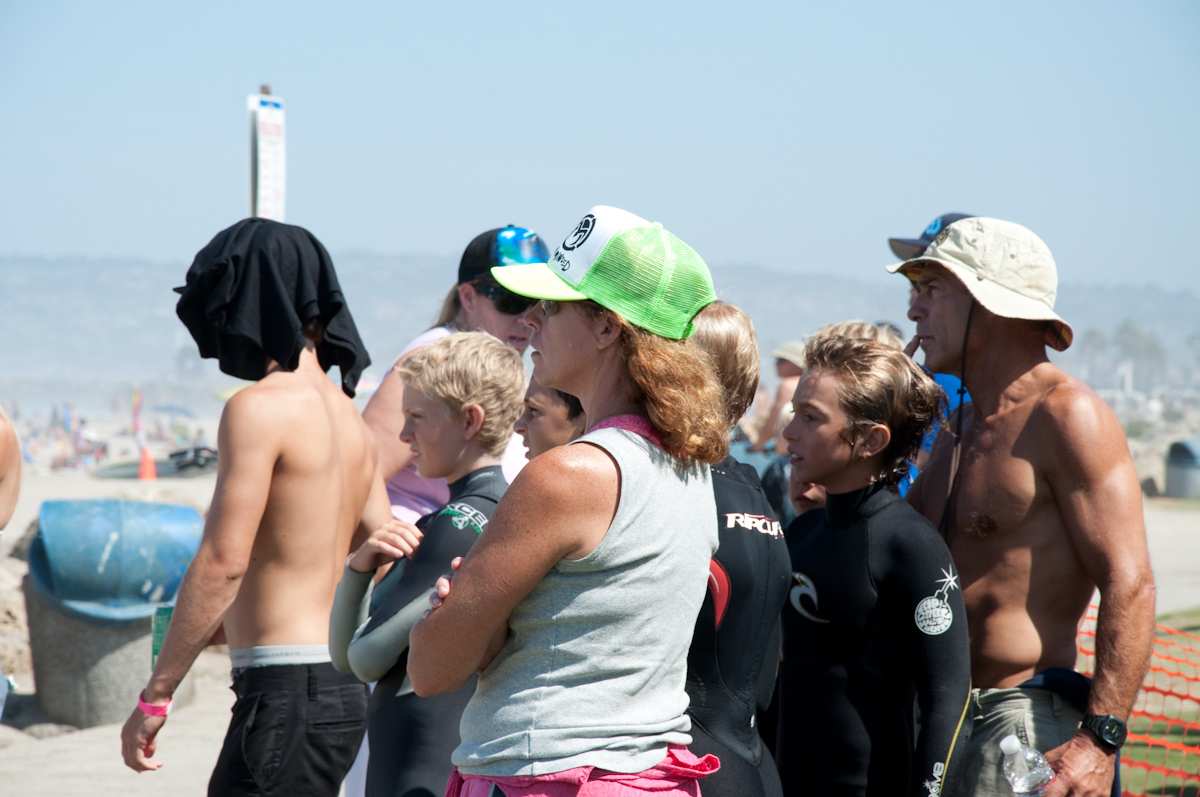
(638, 424)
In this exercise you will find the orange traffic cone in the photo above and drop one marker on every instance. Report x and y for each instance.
(147, 472)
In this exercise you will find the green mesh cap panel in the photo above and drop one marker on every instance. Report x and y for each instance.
(653, 279)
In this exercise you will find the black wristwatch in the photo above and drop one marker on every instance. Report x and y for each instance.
(1107, 728)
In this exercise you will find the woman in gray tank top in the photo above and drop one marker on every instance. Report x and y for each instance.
(577, 608)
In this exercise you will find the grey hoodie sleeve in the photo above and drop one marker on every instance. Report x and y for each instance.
(381, 642)
(351, 603)
(377, 648)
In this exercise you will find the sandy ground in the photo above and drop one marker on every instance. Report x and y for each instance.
(88, 762)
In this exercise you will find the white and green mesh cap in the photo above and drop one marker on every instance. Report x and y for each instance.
(633, 267)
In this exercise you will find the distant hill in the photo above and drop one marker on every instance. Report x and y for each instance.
(88, 328)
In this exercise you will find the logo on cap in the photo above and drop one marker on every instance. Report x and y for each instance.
(933, 229)
(580, 233)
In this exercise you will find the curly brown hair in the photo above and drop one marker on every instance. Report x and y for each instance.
(879, 385)
(678, 388)
(680, 393)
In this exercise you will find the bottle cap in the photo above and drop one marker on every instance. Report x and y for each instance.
(1010, 745)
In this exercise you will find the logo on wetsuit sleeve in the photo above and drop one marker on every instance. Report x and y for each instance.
(464, 515)
(933, 615)
(933, 786)
(804, 588)
(760, 523)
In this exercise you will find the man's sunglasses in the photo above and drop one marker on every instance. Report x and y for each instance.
(504, 300)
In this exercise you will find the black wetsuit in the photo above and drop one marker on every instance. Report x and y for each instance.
(412, 737)
(874, 618)
(735, 648)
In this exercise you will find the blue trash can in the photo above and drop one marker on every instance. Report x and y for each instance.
(1183, 469)
(97, 570)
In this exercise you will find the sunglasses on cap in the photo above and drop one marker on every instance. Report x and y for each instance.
(504, 300)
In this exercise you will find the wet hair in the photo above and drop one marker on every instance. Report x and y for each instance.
(877, 384)
(471, 368)
(726, 335)
(574, 408)
(884, 332)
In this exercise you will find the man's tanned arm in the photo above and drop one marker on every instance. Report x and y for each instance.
(1096, 488)
(248, 446)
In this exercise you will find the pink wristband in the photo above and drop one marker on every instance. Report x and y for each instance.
(153, 709)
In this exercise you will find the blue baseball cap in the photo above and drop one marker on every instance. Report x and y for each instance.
(503, 246)
(908, 248)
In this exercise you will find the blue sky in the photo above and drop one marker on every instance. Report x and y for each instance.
(792, 134)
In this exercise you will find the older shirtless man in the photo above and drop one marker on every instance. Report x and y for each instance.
(296, 470)
(1040, 504)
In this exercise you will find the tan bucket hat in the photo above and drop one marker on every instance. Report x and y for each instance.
(1007, 268)
(792, 351)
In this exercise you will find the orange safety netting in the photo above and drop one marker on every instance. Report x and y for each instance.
(1162, 754)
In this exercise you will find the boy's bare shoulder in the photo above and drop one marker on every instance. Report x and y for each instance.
(277, 400)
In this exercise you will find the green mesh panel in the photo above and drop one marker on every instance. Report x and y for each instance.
(653, 279)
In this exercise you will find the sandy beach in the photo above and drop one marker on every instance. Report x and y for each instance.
(66, 762)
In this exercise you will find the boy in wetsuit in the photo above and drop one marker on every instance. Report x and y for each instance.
(462, 395)
(875, 615)
(734, 655)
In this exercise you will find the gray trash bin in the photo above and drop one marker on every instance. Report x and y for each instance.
(1183, 469)
(97, 570)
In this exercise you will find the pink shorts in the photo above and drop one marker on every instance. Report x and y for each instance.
(677, 775)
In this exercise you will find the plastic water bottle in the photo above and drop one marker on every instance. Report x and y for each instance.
(1024, 768)
(5, 683)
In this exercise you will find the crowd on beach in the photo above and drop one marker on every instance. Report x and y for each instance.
(65, 439)
(497, 583)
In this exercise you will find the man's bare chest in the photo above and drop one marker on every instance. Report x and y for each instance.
(999, 492)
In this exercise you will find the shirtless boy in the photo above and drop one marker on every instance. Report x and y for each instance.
(296, 469)
(1044, 510)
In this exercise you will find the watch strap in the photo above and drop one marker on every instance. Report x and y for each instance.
(1096, 724)
(154, 709)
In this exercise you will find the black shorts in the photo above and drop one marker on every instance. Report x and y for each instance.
(295, 730)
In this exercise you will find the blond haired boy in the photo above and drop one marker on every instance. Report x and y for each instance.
(462, 395)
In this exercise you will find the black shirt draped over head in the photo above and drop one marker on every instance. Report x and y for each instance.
(252, 290)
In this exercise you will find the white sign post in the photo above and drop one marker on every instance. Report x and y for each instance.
(268, 156)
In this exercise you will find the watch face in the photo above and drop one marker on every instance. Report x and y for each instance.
(1110, 730)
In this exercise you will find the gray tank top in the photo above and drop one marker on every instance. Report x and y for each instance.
(593, 671)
